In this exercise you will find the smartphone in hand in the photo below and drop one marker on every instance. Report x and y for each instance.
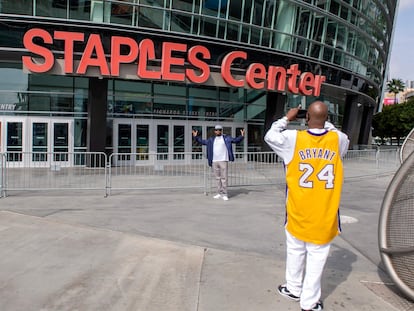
(301, 114)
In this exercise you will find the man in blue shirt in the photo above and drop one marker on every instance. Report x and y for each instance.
(219, 153)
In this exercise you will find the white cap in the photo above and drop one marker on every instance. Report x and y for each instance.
(218, 127)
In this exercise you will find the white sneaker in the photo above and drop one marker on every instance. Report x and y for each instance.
(217, 196)
(225, 198)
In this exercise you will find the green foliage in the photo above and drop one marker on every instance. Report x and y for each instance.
(395, 86)
(394, 121)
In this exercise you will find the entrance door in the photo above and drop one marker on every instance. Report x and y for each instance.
(125, 140)
(14, 141)
(142, 142)
(40, 139)
(136, 140)
(51, 140)
(171, 141)
(178, 142)
(32, 140)
(132, 137)
(60, 142)
(163, 141)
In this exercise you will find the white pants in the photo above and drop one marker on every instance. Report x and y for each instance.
(220, 172)
(304, 267)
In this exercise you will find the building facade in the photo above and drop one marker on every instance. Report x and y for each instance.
(137, 76)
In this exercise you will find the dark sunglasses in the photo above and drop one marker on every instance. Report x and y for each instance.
(218, 130)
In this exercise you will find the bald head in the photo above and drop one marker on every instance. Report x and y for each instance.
(317, 114)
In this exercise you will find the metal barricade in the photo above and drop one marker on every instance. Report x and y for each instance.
(29, 171)
(251, 169)
(139, 171)
(2, 174)
(370, 162)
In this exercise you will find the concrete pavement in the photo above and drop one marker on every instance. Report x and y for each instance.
(179, 251)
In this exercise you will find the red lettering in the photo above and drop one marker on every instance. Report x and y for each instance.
(256, 71)
(276, 74)
(117, 58)
(226, 68)
(147, 51)
(69, 38)
(125, 50)
(94, 44)
(168, 60)
(306, 83)
(41, 51)
(292, 81)
(202, 66)
(318, 83)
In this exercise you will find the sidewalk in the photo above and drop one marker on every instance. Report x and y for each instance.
(179, 251)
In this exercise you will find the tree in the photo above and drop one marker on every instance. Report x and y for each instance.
(395, 121)
(395, 86)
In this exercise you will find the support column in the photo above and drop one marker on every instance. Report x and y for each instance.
(97, 107)
(365, 131)
(353, 119)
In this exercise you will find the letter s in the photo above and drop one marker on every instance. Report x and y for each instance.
(199, 64)
(41, 51)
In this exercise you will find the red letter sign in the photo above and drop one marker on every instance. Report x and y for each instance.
(117, 58)
(94, 44)
(39, 50)
(226, 68)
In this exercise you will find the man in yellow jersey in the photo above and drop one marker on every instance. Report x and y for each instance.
(314, 176)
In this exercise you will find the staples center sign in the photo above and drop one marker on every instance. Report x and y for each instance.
(257, 76)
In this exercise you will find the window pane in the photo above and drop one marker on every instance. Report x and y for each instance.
(52, 8)
(23, 7)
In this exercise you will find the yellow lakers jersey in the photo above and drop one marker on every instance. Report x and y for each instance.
(314, 183)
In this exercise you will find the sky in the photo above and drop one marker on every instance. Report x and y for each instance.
(401, 64)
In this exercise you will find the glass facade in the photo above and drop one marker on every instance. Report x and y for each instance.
(354, 34)
(347, 41)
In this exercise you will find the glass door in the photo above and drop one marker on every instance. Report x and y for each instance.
(132, 141)
(50, 140)
(179, 142)
(14, 141)
(39, 141)
(60, 141)
(163, 131)
(142, 142)
(123, 138)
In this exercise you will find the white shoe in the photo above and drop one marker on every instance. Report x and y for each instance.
(217, 196)
(225, 198)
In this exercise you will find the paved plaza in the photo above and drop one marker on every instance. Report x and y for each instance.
(179, 250)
